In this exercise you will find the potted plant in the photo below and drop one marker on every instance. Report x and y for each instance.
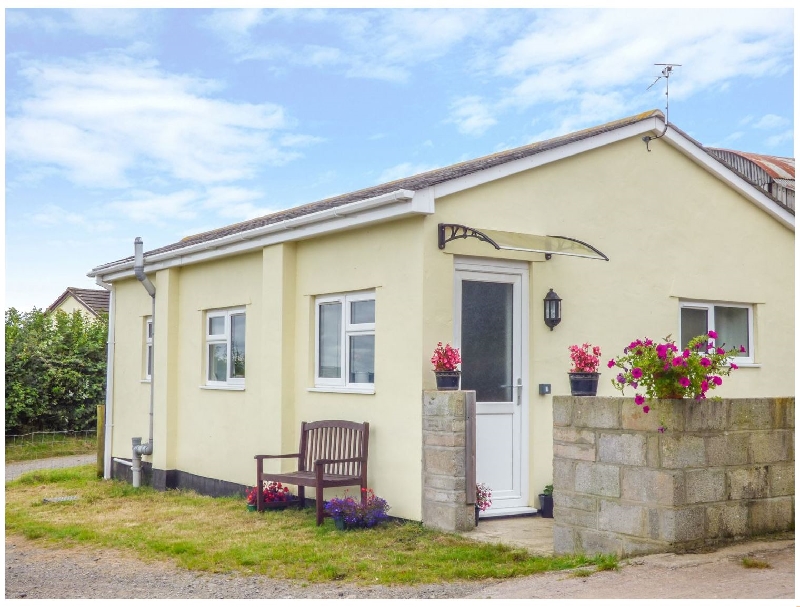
(483, 499)
(546, 501)
(662, 370)
(275, 496)
(583, 375)
(349, 513)
(445, 361)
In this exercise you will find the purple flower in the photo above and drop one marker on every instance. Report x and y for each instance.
(661, 429)
(636, 373)
(639, 399)
(611, 363)
(717, 380)
(712, 334)
(661, 350)
(677, 361)
(704, 386)
(705, 362)
(684, 381)
(646, 409)
(686, 353)
(742, 349)
(621, 378)
(634, 384)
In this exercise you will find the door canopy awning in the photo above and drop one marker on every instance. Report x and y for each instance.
(524, 243)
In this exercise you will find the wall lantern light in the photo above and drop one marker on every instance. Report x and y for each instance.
(552, 309)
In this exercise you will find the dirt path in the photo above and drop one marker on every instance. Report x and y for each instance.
(68, 461)
(38, 571)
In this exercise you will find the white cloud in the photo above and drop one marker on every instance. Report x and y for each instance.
(54, 215)
(118, 23)
(400, 171)
(158, 209)
(99, 121)
(776, 140)
(770, 121)
(471, 115)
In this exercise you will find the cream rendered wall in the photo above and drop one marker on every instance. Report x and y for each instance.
(671, 231)
(388, 259)
(131, 398)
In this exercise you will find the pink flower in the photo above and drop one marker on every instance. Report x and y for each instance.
(712, 334)
(742, 349)
(639, 399)
(717, 380)
(661, 429)
(677, 361)
(661, 350)
(611, 363)
(684, 381)
(646, 409)
(734, 366)
(705, 362)
(636, 373)
(686, 353)
(704, 386)
(720, 351)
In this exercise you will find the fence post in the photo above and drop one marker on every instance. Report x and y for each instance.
(101, 438)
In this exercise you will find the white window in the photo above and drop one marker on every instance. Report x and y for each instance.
(148, 348)
(225, 331)
(733, 324)
(345, 341)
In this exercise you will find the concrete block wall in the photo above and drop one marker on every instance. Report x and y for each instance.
(721, 470)
(446, 461)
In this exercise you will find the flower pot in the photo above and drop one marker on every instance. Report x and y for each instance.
(583, 384)
(546, 503)
(339, 523)
(251, 507)
(477, 515)
(448, 380)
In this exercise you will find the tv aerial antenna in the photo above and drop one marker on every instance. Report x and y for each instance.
(665, 74)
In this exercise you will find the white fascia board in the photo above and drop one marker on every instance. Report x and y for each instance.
(545, 157)
(721, 171)
(403, 203)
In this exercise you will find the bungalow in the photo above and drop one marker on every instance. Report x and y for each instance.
(332, 310)
(91, 302)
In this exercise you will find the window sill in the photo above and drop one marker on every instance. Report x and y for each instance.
(342, 390)
(144, 381)
(747, 365)
(233, 388)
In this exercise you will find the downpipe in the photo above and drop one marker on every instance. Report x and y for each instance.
(140, 449)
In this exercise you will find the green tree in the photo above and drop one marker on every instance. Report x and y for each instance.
(55, 370)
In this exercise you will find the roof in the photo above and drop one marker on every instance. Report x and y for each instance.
(773, 174)
(94, 300)
(434, 177)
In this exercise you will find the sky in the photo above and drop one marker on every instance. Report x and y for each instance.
(165, 123)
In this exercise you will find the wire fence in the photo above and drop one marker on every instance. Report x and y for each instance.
(46, 446)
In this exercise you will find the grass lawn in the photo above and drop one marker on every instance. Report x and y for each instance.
(51, 446)
(218, 535)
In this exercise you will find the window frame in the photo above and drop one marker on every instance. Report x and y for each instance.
(347, 330)
(148, 348)
(709, 306)
(223, 338)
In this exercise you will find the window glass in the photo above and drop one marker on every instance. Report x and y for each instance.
(694, 322)
(217, 362)
(149, 360)
(237, 345)
(362, 312)
(216, 325)
(362, 359)
(330, 346)
(732, 328)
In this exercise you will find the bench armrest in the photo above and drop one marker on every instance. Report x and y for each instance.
(276, 456)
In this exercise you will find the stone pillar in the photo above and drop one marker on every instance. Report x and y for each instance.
(448, 459)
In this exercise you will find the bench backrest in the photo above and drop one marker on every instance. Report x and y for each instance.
(334, 439)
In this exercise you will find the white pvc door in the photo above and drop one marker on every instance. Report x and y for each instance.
(490, 327)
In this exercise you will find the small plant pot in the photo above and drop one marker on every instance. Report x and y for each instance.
(546, 502)
(448, 380)
(477, 515)
(339, 523)
(251, 507)
(583, 384)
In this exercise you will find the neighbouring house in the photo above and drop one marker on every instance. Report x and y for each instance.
(332, 310)
(91, 302)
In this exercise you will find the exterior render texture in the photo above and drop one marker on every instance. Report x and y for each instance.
(332, 310)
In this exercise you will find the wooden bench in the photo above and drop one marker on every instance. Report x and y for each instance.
(333, 453)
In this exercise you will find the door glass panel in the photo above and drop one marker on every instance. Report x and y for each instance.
(487, 340)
